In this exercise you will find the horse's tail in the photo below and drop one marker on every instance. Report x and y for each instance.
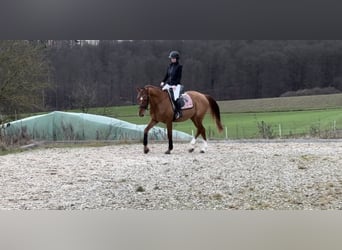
(215, 112)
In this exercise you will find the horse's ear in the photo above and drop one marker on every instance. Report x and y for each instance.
(138, 89)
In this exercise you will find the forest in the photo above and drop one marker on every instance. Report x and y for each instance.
(45, 75)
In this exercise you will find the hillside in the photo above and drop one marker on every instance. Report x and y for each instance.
(295, 103)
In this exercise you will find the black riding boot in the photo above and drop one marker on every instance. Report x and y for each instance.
(177, 113)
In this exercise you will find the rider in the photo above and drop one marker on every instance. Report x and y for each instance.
(171, 81)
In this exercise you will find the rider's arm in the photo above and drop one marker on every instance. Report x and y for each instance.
(166, 75)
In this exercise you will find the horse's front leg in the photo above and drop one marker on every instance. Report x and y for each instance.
(169, 136)
(148, 127)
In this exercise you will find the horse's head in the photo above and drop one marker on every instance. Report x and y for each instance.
(143, 100)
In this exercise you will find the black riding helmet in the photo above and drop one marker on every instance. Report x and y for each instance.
(174, 54)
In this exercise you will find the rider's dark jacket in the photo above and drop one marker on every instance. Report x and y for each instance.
(173, 74)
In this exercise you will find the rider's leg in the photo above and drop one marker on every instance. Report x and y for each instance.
(172, 94)
(177, 91)
(177, 103)
(178, 113)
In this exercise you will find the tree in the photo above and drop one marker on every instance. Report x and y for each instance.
(23, 77)
(233, 69)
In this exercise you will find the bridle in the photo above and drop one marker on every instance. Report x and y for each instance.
(144, 101)
(144, 98)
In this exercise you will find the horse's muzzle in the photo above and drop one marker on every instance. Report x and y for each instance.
(142, 112)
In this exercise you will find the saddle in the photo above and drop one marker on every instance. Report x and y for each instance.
(185, 101)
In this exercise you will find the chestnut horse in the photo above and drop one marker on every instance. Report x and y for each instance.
(161, 111)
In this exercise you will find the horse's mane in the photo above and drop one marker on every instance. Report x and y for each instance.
(152, 86)
(157, 88)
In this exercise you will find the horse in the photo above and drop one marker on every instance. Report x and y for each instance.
(161, 110)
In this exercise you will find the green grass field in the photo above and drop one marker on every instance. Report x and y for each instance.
(314, 116)
(319, 116)
(245, 125)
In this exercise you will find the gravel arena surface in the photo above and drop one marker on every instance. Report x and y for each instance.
(264, 175)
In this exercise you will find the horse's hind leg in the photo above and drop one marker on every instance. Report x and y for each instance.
(204, 147)
(205, 144)
(192, 145)
(200, 131)
(193, 141)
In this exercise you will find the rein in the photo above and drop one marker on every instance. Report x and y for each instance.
(145, 99)
(147, 96)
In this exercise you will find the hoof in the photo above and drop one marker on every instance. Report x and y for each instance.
(191, 150)
(168, 152)
(202, 151)
(146, 150)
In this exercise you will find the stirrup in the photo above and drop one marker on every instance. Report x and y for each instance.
(178, 115)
